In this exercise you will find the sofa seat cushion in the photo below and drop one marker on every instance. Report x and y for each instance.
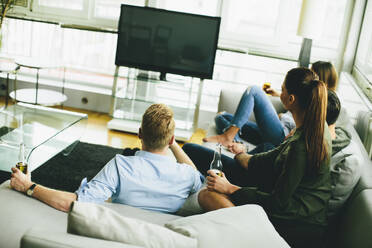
(243, 226)
(19, 213)
(97, 221)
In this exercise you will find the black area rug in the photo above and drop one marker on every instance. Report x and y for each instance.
(66, 172)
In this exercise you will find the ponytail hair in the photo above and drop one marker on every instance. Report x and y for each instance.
(312, 98)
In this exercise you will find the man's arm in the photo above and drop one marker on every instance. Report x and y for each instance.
(60, 200)
(180, 155)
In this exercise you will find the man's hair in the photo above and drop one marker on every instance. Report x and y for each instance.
(333, 107)
(157, 126)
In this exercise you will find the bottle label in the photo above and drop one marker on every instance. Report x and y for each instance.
(218, 172)
(22, 167)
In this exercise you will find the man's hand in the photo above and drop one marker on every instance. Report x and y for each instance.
(237, 148)
(19, 181)
(220, 184)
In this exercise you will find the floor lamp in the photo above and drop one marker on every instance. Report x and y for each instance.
(310, 27)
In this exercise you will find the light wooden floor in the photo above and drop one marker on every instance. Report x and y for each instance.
(96, 131)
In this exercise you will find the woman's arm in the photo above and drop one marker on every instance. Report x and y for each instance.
(243, 159)
(220, 184)
(272, 92)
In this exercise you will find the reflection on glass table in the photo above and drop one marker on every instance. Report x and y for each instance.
(44, 131)
(8, 67)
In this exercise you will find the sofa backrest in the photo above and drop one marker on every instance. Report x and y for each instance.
(365, 181)
(363, 126)
(229, 100)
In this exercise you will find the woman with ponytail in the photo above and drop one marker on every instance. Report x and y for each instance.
(292, 182)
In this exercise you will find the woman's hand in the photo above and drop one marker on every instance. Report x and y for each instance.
(19, 181)
(272, 92)
(290, 133)
(237, 148)
(220, 184)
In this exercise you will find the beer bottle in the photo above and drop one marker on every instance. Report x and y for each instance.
(22, 165)
(216, 164)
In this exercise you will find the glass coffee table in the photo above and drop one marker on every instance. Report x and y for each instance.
(44, 132)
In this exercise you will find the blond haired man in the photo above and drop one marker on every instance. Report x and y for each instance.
(149, 180)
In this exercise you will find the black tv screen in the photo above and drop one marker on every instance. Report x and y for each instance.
(167, 41)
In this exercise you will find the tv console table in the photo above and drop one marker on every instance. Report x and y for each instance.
(132, 95)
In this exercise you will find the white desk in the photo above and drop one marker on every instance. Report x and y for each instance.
(38, 96)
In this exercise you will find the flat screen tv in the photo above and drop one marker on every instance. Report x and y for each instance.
(167, 41)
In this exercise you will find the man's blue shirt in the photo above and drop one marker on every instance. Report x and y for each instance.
(146, 180)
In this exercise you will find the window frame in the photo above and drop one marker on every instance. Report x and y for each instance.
(61, 12)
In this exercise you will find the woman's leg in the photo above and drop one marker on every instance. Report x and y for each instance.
(267, 119)
(253, 99)
(251, 133)
(222, 121)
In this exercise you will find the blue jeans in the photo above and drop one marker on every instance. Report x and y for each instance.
(266, 129)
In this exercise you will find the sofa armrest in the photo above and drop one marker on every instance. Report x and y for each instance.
(356, 223)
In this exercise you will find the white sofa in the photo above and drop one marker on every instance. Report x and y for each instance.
(26, 222)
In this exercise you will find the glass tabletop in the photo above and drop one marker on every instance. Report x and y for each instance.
(43, 131)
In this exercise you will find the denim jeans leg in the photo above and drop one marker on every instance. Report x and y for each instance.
(251, 133)
(255, 100)
(222, 121)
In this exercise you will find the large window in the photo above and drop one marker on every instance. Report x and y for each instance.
(363, 60)
(201, 7)
(75, 8)
(110, 9)
(261, 27)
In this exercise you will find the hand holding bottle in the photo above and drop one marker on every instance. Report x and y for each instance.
(220, 184)
(270, 91)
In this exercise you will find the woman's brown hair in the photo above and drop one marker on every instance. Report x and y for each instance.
(312, 98)
(327, 73)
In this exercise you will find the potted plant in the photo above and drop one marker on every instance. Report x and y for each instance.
(5, 6)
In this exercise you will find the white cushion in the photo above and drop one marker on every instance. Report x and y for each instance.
(97, 221)
(243, 226)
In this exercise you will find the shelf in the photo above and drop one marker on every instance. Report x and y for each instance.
(134, 95)
(134, 109)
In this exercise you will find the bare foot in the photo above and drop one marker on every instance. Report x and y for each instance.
(223, 139)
